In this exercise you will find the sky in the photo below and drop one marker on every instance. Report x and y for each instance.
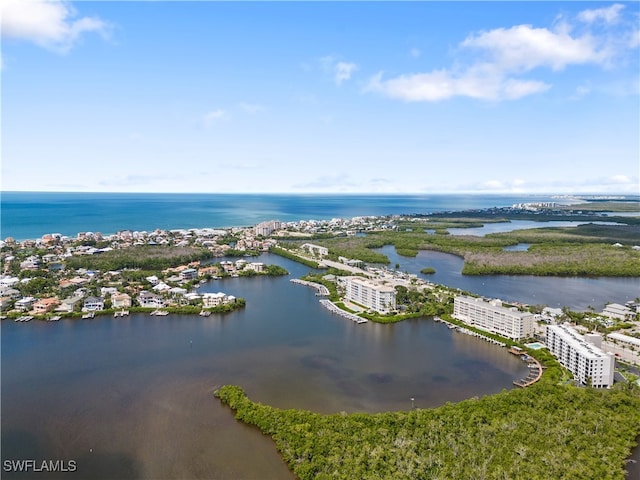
(320, 97)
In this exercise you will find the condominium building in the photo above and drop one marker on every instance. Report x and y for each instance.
(370, 294)
(586, 361)
(267, 228)
(493, 317)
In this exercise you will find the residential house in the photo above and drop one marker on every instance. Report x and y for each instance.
(151, 300)
(25, 303)
(120, 300)
(188, 274)
(45, 305)
(92, 304)
(68, 305)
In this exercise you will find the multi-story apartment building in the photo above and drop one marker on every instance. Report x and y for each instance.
(370, 294)
(267, 228)
(493, 317)
(587, 362)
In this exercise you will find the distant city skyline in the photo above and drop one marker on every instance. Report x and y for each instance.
(321, 97)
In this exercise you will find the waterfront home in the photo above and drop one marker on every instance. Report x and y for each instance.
(214, 299)
(45, 305)
(25, 303)
(255, 266)
(92, 304)
(120, 300)
(151, 300)
(68, 305)
(188, 274)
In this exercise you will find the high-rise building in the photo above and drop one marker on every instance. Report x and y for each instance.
(493, 317)
(588, 363)
(370, 294)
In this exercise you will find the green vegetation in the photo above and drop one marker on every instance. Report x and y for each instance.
(605, 206)
(428, 270)
(269, 270)
(144, 257)
(291, 256)
(544, 431)
(586, 250)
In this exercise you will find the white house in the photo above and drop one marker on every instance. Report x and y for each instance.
(188, 274)
(120, 300)
(151, 300)
(92, 304)
(210, 300)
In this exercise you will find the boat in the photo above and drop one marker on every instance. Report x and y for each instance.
(88, 315)
(55, 318)
(160, 313)
(204, 313)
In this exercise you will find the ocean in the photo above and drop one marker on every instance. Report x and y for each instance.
(29, 215)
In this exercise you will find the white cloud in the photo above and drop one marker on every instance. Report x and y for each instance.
(339, 70)
(343, 71)
(504, 55)
(442, 85)
(523, 48)
(213, 115)
(49, 24)
(607, 14)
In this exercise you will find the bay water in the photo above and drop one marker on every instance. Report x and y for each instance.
(133, 397)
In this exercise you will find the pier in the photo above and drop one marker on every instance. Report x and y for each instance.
(335, 309)
(535, 372)
(322, 290)
(470, 332)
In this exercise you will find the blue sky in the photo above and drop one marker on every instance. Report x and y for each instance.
(532, 97)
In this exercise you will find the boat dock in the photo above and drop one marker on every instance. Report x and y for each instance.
(535, 373)
(470, 332)
(121, 313)
(322, 290)
(338, 311)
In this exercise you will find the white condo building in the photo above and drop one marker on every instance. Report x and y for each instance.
(381, 298)
(584, 360)
(493, 317)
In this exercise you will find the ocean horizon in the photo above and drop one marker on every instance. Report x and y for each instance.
(30, 215)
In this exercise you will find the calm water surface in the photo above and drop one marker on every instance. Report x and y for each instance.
(577, 293)
(133, 397)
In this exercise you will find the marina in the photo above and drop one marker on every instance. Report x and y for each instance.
(322, 290)
(466, 331)
(338, 311)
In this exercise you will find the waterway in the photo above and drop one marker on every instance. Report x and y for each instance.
(577, 293)
(513, 225)
(133, 397)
